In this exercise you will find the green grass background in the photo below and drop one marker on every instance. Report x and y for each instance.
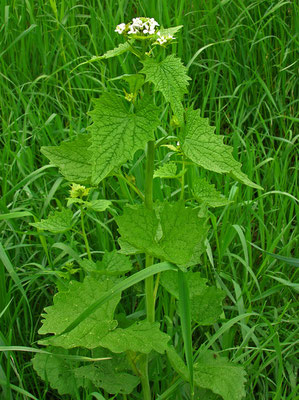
(242, 61)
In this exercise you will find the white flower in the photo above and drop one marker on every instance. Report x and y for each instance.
(153, 22)
(132, 30)
(164, 39)
(120, 28)
(161, 40)
(139, 25)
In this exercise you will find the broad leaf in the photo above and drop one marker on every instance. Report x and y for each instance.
(171, 232)
(98, 205)
(118, 132)
(59, 222)
(140, 337)
(115, 263)
(111, 375)
(206, 193)
(112, 264)
(58, 371)
(212, 373)
(104, 377)
(169, 76)
(167, 170)
(184, 233)
(69, 304)
(205, 301)
(206, 149)
(67, 376)
(138, 227)
(72, 158)
(219, 375)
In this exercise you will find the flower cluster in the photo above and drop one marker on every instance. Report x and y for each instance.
(139, 26)
(78, 191)
(164, 39)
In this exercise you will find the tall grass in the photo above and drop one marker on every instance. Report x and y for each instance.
(241, 57)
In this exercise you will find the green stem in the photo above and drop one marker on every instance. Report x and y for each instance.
(183, 181)
(148, 201)
(149, 292)
(149, 173)
(84, 235)
(146, 390)
(149, 282)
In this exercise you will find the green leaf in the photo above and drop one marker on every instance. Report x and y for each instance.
(170, 31)
(58, 371)
(117, 51)
(169, 76)
(118, 132)
(167, 170)
(140, 337)
(138, 227)
(115, 263)
(206, 193)
(59, 222)
(72, 158)
(205, 301)
(184, 233)
(75, 200)
(135, 82)
(105, 378)
(112, 264)
(117, 289)
(69, 304)
(177, 363)
(207, 150)
(212, 372)
(111, 375)
(127, 248)
(67, 376)
(206, 394)
(219, 375)
(98, 205)
(171, 231)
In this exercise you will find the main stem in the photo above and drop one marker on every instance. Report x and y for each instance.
(148, 201)
(149, 282)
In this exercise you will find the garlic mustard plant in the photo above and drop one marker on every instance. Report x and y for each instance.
(159, 243)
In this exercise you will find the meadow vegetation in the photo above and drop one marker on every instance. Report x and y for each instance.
(241, 60)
